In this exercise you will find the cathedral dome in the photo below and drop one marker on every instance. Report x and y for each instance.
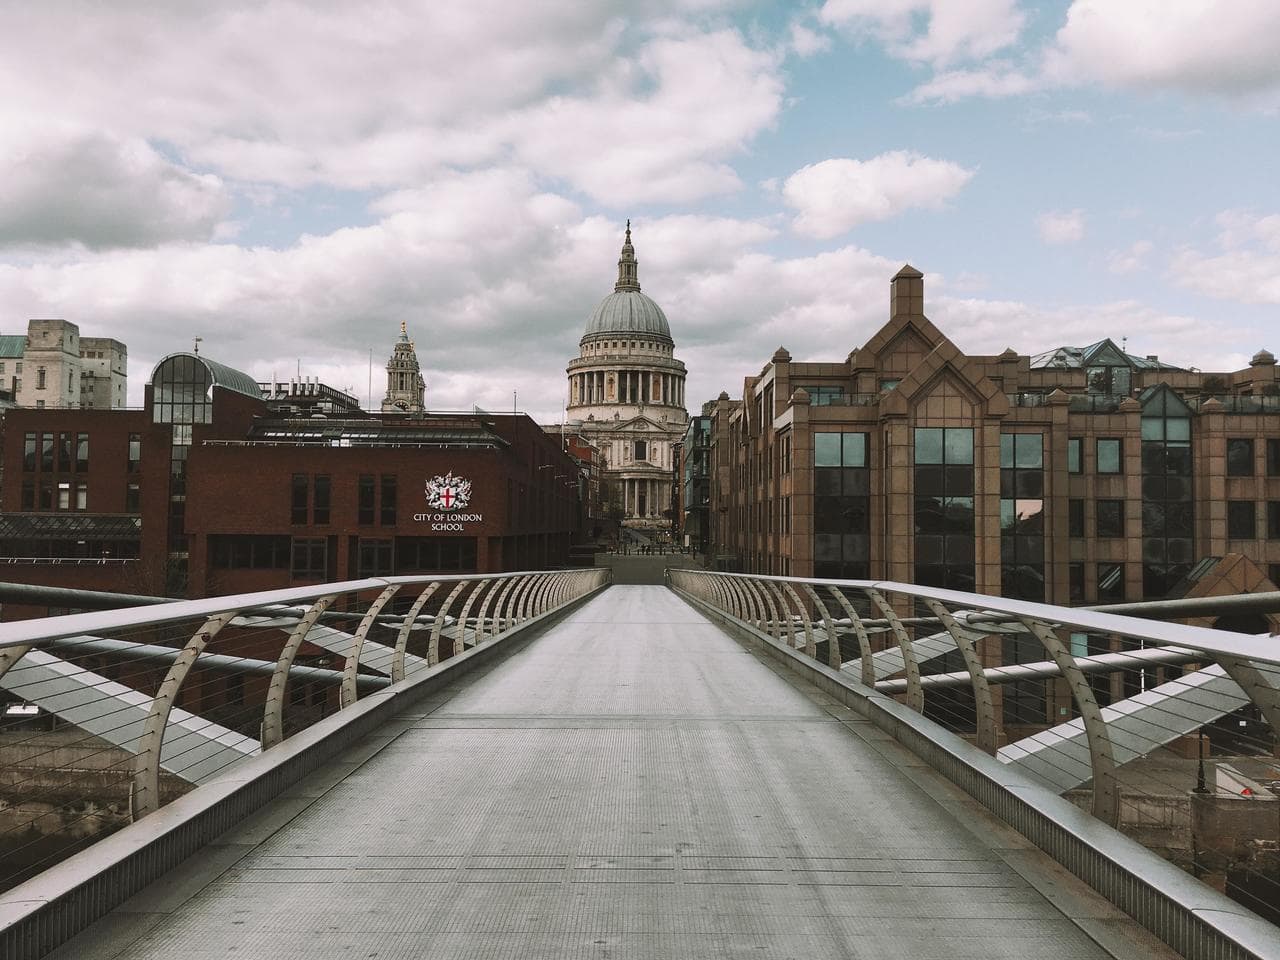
(627, 312)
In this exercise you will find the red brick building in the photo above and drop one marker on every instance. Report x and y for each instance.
(211, 489)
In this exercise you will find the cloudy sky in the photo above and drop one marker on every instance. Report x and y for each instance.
(289, 181)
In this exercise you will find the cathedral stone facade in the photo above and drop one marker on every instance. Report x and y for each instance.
(626, 395)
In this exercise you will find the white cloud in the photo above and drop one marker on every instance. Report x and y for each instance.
(833, 196)
(953, 29)
(623, 107)
(995, 80)
(1247, 267)
(67, 186)
(1131, 259)
(1188, 45)
(805, 41)
(1061, 226)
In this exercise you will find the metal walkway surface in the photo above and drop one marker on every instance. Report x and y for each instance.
(633, 784)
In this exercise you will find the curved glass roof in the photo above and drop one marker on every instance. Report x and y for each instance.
(220, 375)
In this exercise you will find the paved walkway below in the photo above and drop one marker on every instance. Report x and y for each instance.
(634, 784)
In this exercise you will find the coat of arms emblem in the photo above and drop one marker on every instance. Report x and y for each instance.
(448, 492)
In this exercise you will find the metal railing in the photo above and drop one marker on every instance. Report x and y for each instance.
(105, 716)
(1166, 731)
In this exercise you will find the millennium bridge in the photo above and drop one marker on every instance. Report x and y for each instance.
(551, 765)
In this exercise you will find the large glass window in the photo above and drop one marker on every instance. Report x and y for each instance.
(1167, 505)
(1024, 700)
(1239, 457)
(841, 506)
(1113, 381)
(1022, 516)
(181, 391)
(943, 502)
(435, 554)
(1242, 520)
(1109, 455)
(248, 552)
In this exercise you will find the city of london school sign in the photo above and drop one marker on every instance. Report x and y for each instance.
(447, 495)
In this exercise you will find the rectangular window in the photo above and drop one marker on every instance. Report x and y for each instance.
(321, 502)
(944, 508)
(310, 558)
(132, 497)
(1075, 518)
(82, 452)
(82, 496)
(1273, 458)
(248, 552)
(1108, 450)
(1239, 457)
(65, 462)
(1075, 583)
(40, 378)
(1242, 520)
(1110, 583)
(29, 443)
(64, 495)
(46, 495)
(1075, 455)
(46, 452)
(298, 498)
(1273, 520)
(28, 495)
(365, 495)
(387, 500)
(641, 451)
(376, 558)
(135, 452)
(1110, 518)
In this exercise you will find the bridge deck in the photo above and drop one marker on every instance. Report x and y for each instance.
(633, 784)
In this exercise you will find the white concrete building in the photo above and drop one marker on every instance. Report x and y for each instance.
(626, 395)
(54, 367)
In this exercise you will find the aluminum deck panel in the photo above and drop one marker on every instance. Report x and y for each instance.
(634, 784)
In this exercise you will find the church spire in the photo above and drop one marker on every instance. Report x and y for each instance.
(627, 276)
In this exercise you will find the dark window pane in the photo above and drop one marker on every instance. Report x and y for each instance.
(928, 550)
(322, 499)
(1239, 457)
(1030, 483)
(1153, 523)
(929, 481)
(1273, 458)
(959, 480)
(298, 499)
(364, 499)
(1075, 583)
(928, 515)
(1075, 518)
(1110, 516)
(388, 500)
(857, 482)
(1241, 520)
(1177, 460)
(826, 481)
(1273, 520)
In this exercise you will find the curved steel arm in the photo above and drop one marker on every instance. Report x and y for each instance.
(402, 638)
(915, 692)
(983, 707)
(273, 710)
(349, 693)
(864, 641)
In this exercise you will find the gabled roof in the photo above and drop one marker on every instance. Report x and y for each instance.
(12, 345)
(1163, 401)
